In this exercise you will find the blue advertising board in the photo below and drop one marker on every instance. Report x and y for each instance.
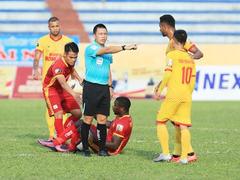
(18, 50)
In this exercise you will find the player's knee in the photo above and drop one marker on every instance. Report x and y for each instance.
(183, 127)
(102, 121)
(77, 114)
(58, 115)
(159, 123)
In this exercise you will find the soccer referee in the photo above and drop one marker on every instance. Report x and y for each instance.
(97, 88)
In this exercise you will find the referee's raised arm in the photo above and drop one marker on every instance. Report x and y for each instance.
(116, 49)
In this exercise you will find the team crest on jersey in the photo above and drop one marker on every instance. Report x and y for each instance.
(119, 127)
(55, 106)
(99, 61)
(169, 62)
(94, 47)
(57, 71)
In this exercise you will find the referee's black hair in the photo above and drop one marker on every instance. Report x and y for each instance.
(169, 19)
(52, 19)
(71, 46)
(98, 26)
(123, 102)
(181, 36)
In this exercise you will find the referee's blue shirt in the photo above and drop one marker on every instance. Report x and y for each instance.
(97, 66)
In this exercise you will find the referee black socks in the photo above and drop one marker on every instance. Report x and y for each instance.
(102, 129)
(84, 135)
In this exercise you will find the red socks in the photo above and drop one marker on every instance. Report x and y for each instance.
(65, 135)
(70, 121)
(58, 124)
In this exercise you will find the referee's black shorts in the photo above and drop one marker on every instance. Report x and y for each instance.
(96, 99)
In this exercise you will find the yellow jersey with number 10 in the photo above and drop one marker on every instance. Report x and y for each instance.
(51, 50)
(182, 80)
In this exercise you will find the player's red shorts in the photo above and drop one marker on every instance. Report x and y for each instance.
(57, 100)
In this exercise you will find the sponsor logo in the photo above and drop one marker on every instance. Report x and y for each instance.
(94, 47)
(57, 71)
(119, 127)
(55, 106)
(217, 80)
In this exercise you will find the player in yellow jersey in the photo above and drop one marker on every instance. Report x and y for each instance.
(167, 28)
(50, 47)
(179, 78)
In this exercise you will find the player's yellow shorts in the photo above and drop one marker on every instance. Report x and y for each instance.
(178, 112)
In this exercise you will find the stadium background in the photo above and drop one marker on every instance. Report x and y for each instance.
(214, 25)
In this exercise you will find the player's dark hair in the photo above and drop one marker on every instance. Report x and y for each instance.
(53, 19)
(71, 46)
(180, 36)
(123, 102)
(98, 26)
(169, 19)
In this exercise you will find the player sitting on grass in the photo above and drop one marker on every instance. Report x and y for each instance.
(117, 137)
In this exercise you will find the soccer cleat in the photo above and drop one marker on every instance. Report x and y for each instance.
(62, 148)
(46, 143)
(162, 158)
(192, 158)
(103, 153)
(86, 153)
(182, 161)
(50, 138)
(175, 158)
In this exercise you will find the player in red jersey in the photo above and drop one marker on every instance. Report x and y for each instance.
(118, 134)
(59, 96)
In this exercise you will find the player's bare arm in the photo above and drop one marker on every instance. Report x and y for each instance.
(115, 143)
(116, 49)
(37, 57)
(196, 53)
(62, 81)
(166, 76)
(76, 75)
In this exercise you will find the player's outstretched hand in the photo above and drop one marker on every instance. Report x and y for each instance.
(36, 75)
(131, 47)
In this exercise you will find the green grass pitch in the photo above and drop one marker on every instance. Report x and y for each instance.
(215, 138)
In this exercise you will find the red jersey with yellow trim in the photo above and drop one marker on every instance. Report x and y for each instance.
(59, 67)
(121, 127)
(51, 49)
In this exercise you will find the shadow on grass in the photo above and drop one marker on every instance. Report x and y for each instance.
(143, 153)
(30, 138)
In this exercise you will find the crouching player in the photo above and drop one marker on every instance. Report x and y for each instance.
(117, 137)
(59, 96)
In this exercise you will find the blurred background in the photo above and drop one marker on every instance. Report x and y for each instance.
(213, 25)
